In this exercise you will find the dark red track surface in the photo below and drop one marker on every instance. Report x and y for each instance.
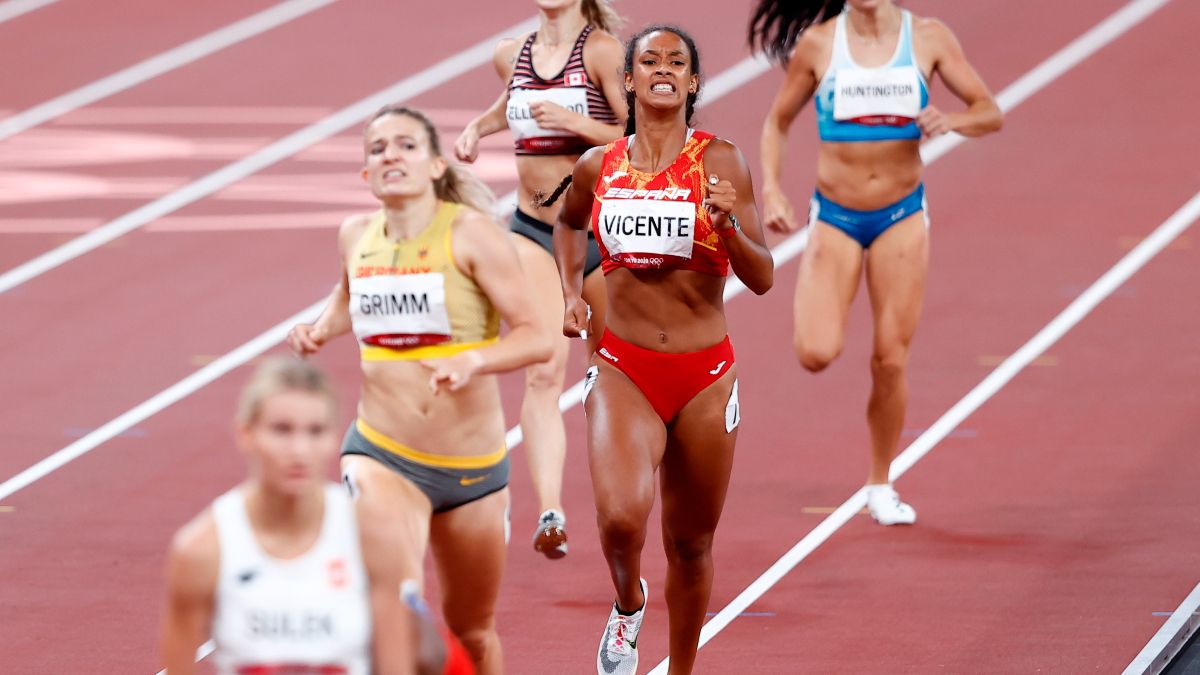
(1053, 523)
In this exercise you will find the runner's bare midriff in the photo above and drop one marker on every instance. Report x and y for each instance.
(657, 303)
(868, 175)
(396, 401)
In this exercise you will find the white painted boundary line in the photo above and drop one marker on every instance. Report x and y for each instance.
(1169, 639)
(14, 8)
(158, 402)
(407, 88)
(1045, 73)
(157, 65)
(202, 653)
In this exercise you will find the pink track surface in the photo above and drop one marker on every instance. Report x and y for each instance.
(1054, 522)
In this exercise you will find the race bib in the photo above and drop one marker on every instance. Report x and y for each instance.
(645, 233)
(882, 96)
(400, 311)
(520, 118)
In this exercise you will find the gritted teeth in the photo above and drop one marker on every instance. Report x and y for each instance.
(394, 173)
(663, 86)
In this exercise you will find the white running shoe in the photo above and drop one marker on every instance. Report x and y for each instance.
(618, 647)
(550, 539)
(886, 508)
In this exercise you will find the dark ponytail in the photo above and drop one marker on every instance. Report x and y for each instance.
(777, 24)
(631, 47)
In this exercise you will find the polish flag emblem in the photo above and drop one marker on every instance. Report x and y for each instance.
(337, 574)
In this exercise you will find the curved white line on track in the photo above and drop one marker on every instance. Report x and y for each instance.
(433, 76)
(1042, 75)
(157, 65)
(14, 8)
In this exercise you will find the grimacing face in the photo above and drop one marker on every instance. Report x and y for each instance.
(662, 75)
(400, 161)
(291, 441)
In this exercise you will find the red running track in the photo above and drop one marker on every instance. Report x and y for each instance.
(1054, 522)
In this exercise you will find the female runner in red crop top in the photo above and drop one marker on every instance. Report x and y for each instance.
(672, 209)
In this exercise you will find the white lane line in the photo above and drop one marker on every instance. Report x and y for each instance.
(158, 402)
(202, 653)
(1042, 75)
(1169, 639)
(433, 76)
(157, 65)
(14, 8)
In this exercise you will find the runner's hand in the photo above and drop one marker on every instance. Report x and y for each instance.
(466, 148)
(933, 122)
(720, 200)
(577, 318)
(777, 212)
(453, 371)
(305, 339)
(552, 115)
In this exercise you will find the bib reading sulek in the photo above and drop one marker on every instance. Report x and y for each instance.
(400, 311)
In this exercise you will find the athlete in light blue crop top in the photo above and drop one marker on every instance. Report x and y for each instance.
(871, 104)
(865, 63)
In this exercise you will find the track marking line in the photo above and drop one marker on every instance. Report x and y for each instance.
(154, 66)
(14, 8)
(202, 653)
(1027, 85)
(7, 509)
(433, 76)
(996, 359)
(1169, 639)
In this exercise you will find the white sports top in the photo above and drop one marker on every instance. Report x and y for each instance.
(305, 616)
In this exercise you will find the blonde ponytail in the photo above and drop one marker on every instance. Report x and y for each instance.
(602, 15)
(459, 184)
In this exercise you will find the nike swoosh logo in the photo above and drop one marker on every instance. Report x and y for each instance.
(716, 370)
(465, 481)
(608, 665)
(367, 255)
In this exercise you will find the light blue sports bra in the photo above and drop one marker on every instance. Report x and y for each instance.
(871, 104)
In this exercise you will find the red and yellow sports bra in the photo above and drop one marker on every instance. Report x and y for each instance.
(656, 221)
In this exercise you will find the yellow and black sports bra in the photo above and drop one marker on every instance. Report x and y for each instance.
(408, 300)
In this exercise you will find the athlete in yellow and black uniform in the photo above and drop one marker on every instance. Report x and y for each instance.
(425, 283)
(410, 301)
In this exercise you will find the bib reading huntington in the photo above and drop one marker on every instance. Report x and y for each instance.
(571, 89)
(307, 615)
(871, 104)
(656, 221)
(408, 299)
